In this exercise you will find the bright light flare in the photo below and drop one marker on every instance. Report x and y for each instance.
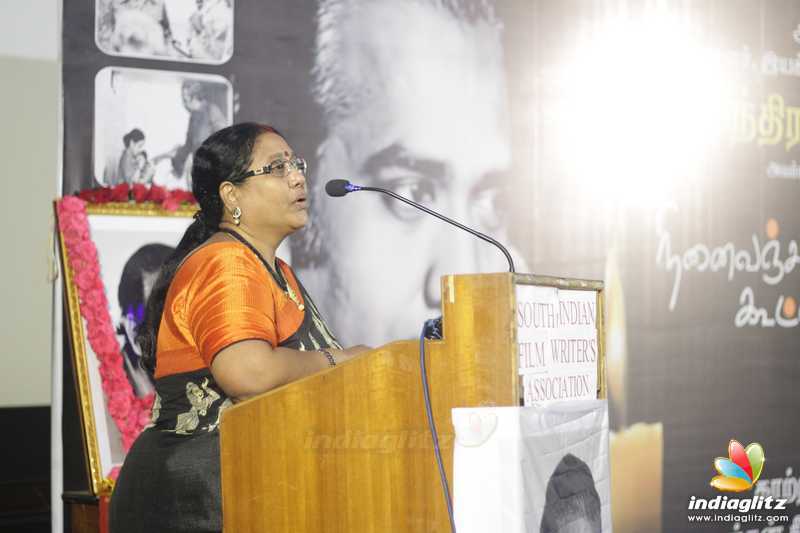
(642, 104)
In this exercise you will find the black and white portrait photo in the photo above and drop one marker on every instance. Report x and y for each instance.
(430, 122)
(572, 504)
(135, 284)
(130, 251)
(149, 122)
(176, 30)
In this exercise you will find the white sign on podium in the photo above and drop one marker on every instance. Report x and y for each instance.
(557, 344)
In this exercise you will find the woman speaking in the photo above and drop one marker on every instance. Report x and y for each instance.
(226, 320)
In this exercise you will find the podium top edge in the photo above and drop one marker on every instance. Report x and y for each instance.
(555, 281)
(546, 281)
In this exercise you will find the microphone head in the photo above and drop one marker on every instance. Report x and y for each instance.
(338, 187)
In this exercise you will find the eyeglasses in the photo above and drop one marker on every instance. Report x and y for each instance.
(280, 168)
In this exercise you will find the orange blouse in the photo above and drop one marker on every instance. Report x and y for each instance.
(220, 295)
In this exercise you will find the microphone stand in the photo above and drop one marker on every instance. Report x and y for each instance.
(353, 188)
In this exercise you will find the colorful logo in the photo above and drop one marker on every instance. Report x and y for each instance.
(742, 468)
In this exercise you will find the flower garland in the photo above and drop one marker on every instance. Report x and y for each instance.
(130, 413)
(169, 199)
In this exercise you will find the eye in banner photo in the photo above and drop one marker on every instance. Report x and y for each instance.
(148, 123)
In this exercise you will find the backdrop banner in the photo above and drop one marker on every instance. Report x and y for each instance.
(653, 145)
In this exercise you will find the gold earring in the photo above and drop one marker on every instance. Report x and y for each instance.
(237, 215)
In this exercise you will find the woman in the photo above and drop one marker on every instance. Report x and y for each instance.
(128, 166)
(226, 320)
(211, 30)
(205, 117)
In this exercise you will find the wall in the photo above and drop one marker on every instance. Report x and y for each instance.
(29, 95)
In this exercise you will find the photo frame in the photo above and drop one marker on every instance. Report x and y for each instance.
(168, 30)
(148, 123)
(110, 255)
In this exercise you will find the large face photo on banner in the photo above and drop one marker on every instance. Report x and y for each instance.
(111, 256)
(431, 123)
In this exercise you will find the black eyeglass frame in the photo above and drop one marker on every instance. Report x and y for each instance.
(297, 163)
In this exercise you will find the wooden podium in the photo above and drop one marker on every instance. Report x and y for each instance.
(349, 449)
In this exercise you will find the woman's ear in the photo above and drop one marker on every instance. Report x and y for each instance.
(229, 196)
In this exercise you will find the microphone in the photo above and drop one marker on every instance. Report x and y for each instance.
(338, 188)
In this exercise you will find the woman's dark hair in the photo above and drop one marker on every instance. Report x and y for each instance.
(135, 135)
(225, 156)
(570, 496)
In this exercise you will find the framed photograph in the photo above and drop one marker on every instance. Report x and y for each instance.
(198, 31)
(110, 256)
(148, 123)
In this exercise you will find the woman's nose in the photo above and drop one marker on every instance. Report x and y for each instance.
(296, 178)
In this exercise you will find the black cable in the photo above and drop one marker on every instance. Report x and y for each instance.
(432, 424)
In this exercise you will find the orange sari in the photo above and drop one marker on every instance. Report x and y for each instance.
(221, 295)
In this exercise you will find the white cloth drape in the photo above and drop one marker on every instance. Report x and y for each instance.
(513, 465)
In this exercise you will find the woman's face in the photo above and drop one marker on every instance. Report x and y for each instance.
(272, 205)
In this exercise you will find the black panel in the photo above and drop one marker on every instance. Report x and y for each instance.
(25, 476)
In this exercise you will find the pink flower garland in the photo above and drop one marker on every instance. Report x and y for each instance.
(129, 412)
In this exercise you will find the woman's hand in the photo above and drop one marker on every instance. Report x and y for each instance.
(357, 349)
(348, 353)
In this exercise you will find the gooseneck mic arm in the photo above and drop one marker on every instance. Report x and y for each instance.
(342, 187)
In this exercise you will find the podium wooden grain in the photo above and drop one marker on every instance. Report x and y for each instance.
(349, 450)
